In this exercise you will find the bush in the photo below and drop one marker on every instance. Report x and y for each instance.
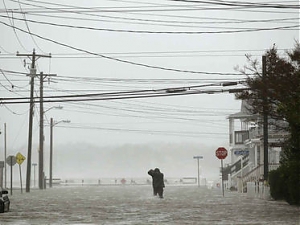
(293, 183)
(285, 183)
(276, 182)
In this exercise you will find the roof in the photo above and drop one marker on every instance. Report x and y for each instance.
(244, 113)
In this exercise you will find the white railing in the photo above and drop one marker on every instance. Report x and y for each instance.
(258, 190)
(254, 175)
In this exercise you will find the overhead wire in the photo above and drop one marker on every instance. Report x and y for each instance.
(96, 15)
(154, 115)
(241, 4)
(11, 21)
(4, 50)
(177, 133)
(228, 21)
(229, 31)
(113, 97)
(176, 8)
(168, 22)
(150, 113)
(159, 8)
(117, 59)
(159, 54)
(161, 116)
(2, 72)
(27, 26)
(157, 114)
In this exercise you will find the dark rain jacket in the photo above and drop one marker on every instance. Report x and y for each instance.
(157, 178)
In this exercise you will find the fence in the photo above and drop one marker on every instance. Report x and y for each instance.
(258, 190)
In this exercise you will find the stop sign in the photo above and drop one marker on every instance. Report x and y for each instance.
(11, 160)
(221, 153)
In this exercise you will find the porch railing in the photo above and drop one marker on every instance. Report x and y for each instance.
(257, 173)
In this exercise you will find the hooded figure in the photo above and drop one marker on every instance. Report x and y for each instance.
(157, 182)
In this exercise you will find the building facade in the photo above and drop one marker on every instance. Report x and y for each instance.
(246, 148)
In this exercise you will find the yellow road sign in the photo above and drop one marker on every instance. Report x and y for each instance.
(20, 158)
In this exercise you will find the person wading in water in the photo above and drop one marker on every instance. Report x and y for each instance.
(157, 182)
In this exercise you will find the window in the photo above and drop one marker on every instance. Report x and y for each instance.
(241, 136)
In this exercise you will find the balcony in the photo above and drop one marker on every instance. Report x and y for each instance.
(241, 136)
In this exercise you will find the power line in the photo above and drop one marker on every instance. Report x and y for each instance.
(158, 132)
(116, 59)
(233, 30)
(174, 23)
(144, 91)
(101, 81)
(76, 98)
(27, 26)
(135, 54)
(171, 22)
(11, 21)
(242, 4)
(166, 8)
(226, 20)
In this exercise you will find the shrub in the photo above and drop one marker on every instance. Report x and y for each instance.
(285, 183)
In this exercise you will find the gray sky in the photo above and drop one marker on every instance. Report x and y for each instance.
(127, 46)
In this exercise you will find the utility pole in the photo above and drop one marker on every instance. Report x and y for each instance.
(5, 174)
(41, 148)
(51, 152)
(52, 124)
(265, 119)
(34, 57)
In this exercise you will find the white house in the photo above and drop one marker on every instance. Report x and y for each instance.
(246, 148)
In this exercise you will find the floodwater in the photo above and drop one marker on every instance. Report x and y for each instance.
(134, 204)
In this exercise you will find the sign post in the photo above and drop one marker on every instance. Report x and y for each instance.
(221, 153)
(11, 161)
(198, 157)
(20, 159)
(1, 175)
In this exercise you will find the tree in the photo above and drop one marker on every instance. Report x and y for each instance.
(281, 88)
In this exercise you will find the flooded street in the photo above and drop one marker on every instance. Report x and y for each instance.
(134, 204)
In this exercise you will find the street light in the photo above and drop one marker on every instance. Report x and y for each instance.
(198, 157)
(41, 141)
(54, 107)
(52, 124)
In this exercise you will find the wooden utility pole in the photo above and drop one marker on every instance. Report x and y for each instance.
(265, 119)
(5, 151)
(32, 75)
(51, 152)
(41, 148)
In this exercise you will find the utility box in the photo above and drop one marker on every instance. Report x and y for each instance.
(4, 201)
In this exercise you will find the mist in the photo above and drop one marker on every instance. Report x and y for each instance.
(85, 161)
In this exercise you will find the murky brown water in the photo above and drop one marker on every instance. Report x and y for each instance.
(134, 204)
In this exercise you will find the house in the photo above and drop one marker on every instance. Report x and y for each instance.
(246, 148)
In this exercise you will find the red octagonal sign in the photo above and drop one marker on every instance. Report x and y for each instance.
(221, 153)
